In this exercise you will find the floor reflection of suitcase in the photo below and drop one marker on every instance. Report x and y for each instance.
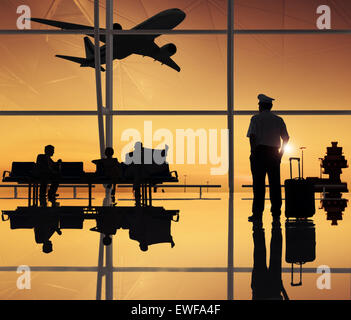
(299, 196)
(300, 241)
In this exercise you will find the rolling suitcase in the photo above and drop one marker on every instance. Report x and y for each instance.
(300, 241)
(299, 196)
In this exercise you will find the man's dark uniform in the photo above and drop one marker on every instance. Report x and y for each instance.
(48, 172)
(266, 129)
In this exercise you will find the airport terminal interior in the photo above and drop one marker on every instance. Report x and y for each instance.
(176, 81)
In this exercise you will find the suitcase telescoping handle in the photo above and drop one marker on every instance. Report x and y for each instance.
(298, 160)
(293, 284)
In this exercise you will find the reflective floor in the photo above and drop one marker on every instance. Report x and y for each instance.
(195, 268)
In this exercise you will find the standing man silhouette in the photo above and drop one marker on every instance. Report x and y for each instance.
(266, 131)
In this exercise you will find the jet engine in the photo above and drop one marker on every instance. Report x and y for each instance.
(168, 50)
(117, 26)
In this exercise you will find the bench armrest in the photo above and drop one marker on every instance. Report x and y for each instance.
(3, 216)
(4, 174)
(175, 173)
(176, 218)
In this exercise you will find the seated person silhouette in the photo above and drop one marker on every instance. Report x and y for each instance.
(48, 172)
(266, 283)
(111, 169)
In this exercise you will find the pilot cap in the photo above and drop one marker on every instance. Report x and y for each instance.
(263, 98)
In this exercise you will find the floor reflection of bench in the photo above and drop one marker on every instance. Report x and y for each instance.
(147, 225)
(19, 186)
(200, 186)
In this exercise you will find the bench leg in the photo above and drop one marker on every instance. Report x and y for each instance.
(89, 189)
(150, 195)
(143, 195)
(36, 195)
(29, 195)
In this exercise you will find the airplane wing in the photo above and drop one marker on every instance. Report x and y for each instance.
(169, 62)
(167, 19)
(154, 52)
(67, 26)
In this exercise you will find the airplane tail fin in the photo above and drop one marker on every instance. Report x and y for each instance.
(89, 48)
(83, 62)
(90, 55)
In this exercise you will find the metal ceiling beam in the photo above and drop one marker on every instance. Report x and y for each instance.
(230, 127)
(180, 31)
(109, 136)
(312, 270)
(172, 113)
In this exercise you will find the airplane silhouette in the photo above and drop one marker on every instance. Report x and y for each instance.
(125, 45)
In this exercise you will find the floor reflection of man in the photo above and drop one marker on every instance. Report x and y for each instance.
(266, 282)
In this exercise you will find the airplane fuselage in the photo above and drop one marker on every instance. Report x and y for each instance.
(125, 45)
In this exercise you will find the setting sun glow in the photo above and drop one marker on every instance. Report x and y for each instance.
(288, 148)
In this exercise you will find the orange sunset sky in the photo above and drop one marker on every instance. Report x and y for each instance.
(303, 72)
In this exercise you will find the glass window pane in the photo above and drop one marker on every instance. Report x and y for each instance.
(49, 286)
(322, 130)
(340, 289)
(161, 130)
(199, 14)
(330, 236)
(302, 72)
(180, 286)
(76, 139)
(32, 78)
(289, 14)
(142, 83)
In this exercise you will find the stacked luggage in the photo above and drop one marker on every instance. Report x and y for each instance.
(147, 163)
